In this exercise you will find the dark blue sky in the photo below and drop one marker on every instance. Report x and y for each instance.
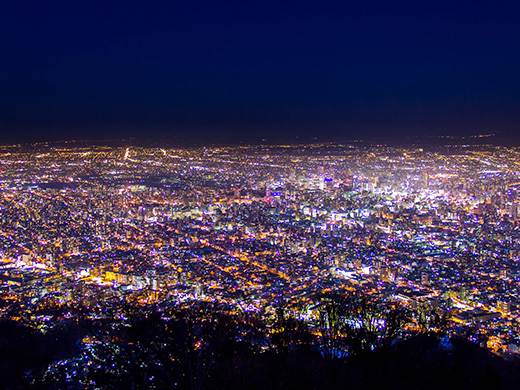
(253, 69)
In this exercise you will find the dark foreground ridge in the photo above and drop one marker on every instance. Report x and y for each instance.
(202, 346)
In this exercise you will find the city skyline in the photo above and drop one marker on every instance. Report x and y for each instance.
(319, 254)
(259, 194)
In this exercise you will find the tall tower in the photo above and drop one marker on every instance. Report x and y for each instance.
(426, 179)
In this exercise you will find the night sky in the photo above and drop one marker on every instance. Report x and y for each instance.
(252, 70)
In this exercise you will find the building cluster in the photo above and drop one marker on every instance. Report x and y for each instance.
(250, 227)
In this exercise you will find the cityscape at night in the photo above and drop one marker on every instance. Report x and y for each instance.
(426, 236)
(259, 195)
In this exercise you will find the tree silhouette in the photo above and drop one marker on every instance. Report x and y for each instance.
(431, 318)
(288, 334)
